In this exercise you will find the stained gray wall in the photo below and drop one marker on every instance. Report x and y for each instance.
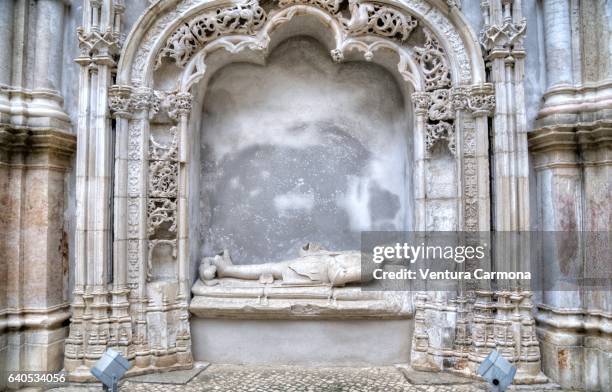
(301, 150)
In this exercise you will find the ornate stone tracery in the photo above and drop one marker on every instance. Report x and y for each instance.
(433, 62)
(332, 6)
(440, 131)
(449, 97)
(239, 19)
(372, 18)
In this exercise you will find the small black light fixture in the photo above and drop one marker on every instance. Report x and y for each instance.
(498, 372)
(110, 368)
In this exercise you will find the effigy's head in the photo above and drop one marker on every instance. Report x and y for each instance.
(346, 268)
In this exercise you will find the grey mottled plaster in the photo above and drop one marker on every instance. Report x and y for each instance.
(301, 150)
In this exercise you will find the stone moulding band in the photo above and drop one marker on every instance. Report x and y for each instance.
(316, 302)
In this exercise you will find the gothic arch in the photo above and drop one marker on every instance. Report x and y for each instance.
(428, 47)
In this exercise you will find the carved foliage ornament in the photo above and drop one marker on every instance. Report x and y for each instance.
(161, 206)
(94, 42)
(161, 210)
(163, 167)
(240, 19)
(123, 101)
(180, 104)
(440, 107)
(248, 18)
(332, 6)
(503, 36)
(433, 62)
(162, 152)
(371, 18)
(163, 188)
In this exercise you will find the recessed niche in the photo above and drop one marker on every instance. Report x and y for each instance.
(301, 149)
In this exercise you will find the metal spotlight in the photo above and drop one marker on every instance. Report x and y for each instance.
(109, 369)
(497, 371)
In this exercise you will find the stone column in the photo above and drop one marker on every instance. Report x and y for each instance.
(121, 331)
(6, 60)
(47, 43)
(6, 47)
(558, 41)
(183, 107)
(90, 323)
(558, 182)
(421, 104)
(595, 144)
(49, 33)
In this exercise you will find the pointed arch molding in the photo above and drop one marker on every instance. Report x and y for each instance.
(434, 53)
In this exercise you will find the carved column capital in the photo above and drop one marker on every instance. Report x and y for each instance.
(180, 104)
(482, 100)
(421, 102)
(505, 37)
(119, 100)
(460, 97)
(144, 99)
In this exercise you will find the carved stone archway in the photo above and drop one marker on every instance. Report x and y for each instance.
(429, 48)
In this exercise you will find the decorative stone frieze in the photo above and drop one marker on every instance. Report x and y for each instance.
(478, 100)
